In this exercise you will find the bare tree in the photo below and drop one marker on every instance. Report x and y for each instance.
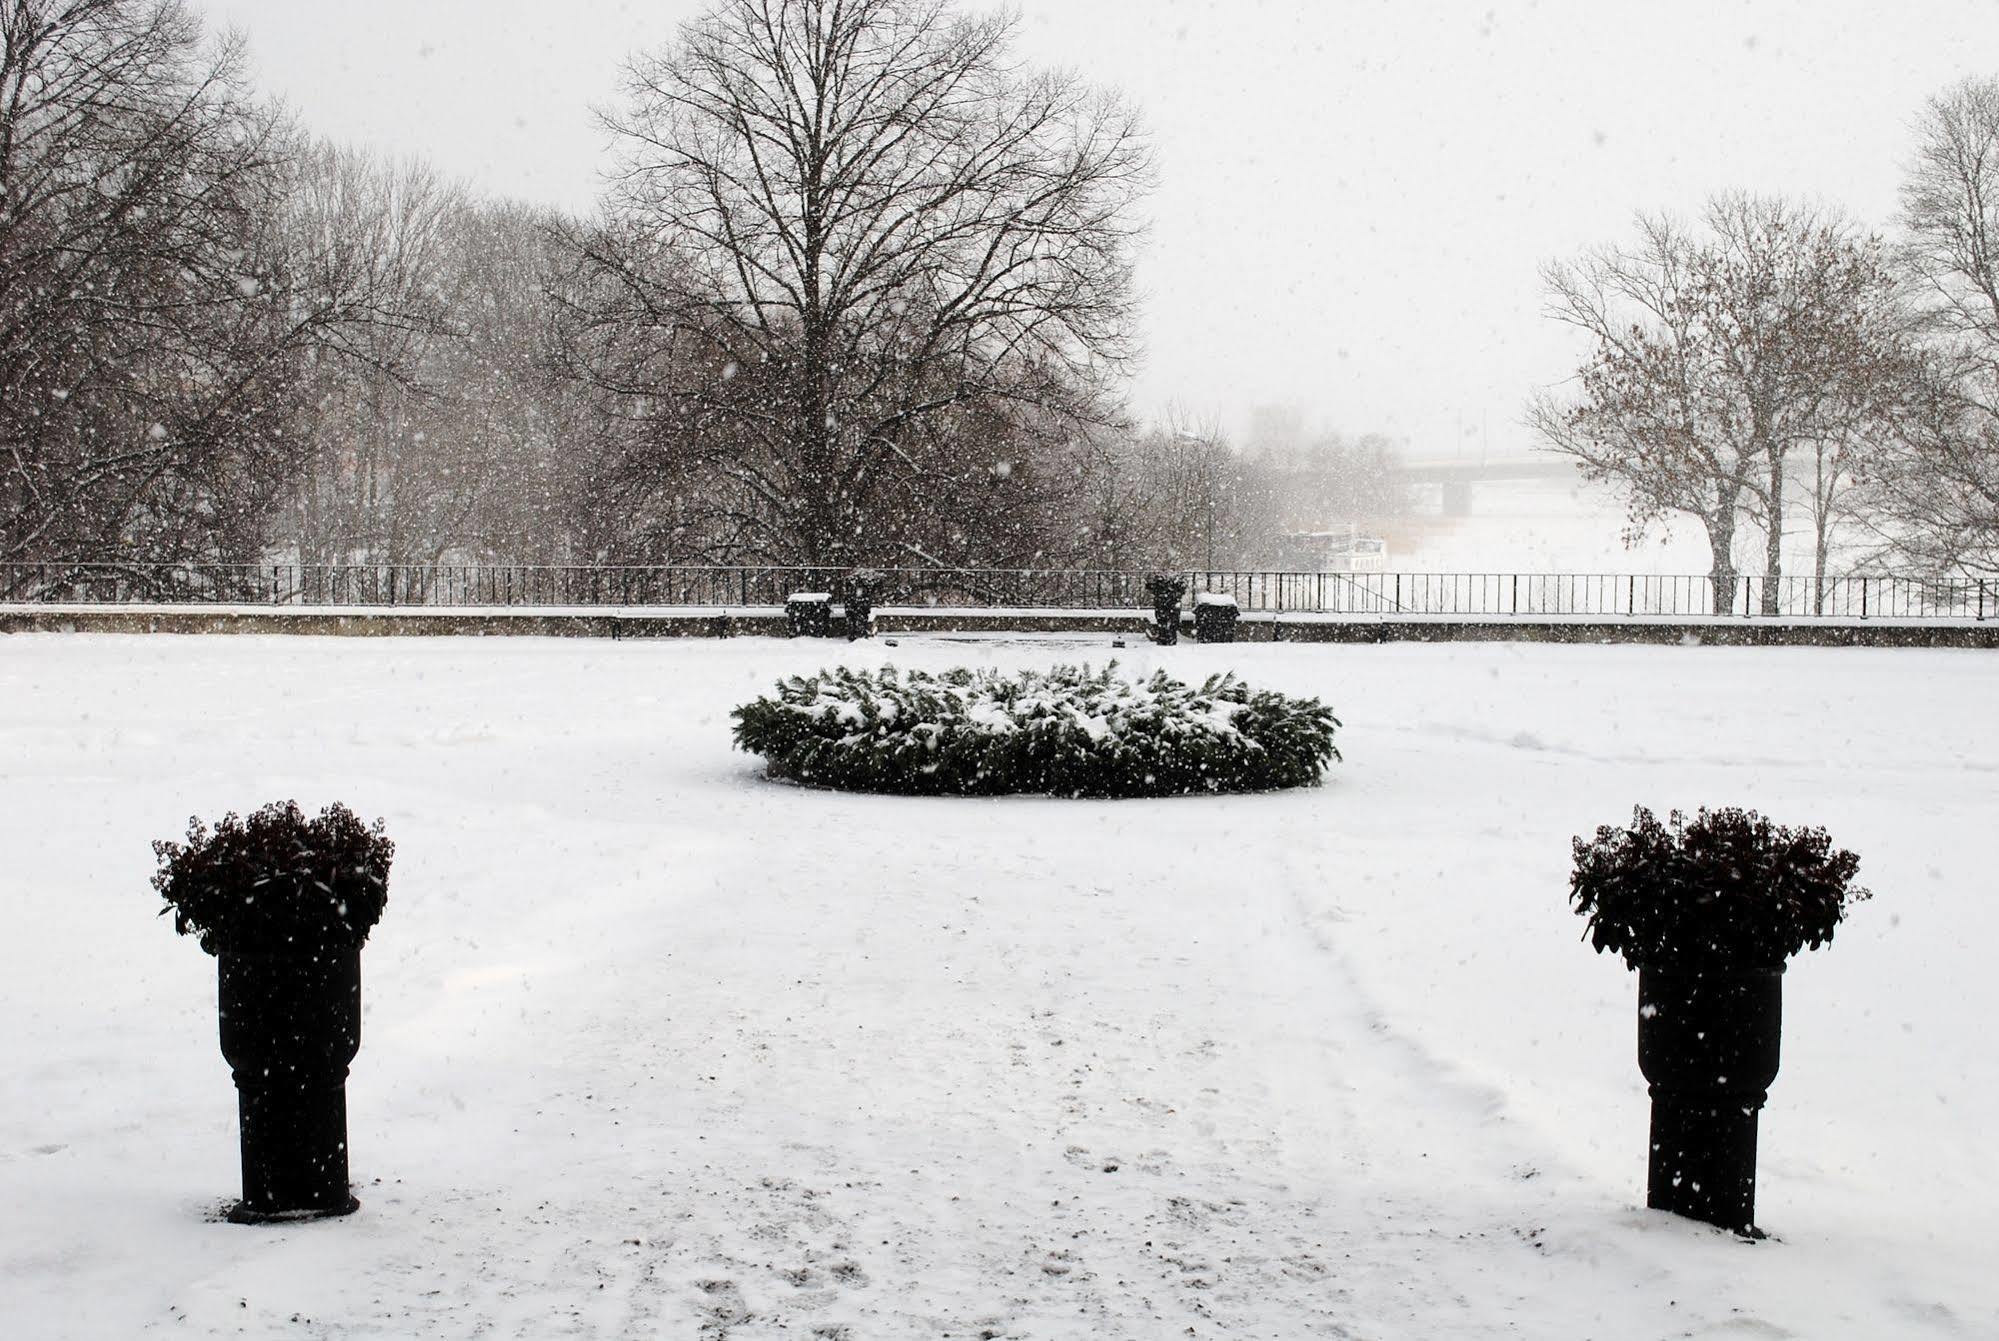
(158, 320)
(1937, 495)
(1718, 355)
(439, 430)
(1839, 462)
(505, 421)
(1177, 496)
(854, 244)
(120, 197)
(371, 233)
(1118, 527)
(1196, 493)
(1950, 209)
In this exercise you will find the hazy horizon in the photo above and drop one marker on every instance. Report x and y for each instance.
(1353, 200)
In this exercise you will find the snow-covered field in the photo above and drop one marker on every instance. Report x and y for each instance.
(655, 1047)
(1568, 526)
(1552, 526)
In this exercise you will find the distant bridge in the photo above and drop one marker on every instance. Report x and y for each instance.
(1458, 477)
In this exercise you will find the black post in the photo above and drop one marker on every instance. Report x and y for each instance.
(1165, 591)
(1708, 1041)
(290, 1026)
(860, 603)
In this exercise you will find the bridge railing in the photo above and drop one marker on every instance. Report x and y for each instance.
(1389, 595)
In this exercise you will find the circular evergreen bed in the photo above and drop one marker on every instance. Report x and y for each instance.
(1069, 731)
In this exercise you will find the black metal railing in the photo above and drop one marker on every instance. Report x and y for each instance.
(549, 585)
(1468, 595)
(1605, 595)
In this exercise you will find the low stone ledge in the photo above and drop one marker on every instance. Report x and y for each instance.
(761, 621)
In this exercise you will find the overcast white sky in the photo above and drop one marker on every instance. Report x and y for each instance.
(1354, 194)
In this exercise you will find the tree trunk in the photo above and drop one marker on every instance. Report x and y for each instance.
(1822, 543)
(823, 542)
(1724, 577)
(1721, 549)
(1825, 485)
(1773, 542)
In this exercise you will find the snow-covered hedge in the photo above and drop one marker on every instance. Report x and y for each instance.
(1070, 731)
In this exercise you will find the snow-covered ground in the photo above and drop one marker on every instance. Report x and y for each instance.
(655, 1047)
(1548, 526)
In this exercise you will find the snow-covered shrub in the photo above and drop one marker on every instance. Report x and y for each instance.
(277, 881)
(1727, 889)
(1069, 731)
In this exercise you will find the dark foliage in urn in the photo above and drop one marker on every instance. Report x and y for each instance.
(277, 881)
(1727, 889)
(1069, 731)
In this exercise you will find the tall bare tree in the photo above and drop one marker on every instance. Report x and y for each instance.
(873, 263)
(1718, 354)
(1180, 496)
(367, 231)
(505, 422)
(158, 319)
(1937, 495)
(1118, 523)
(1197, 493)
(123, 237)
(1950, 208)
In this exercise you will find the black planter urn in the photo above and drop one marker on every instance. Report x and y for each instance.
(291, 1024)
(1215, 617)
(860, 609)
(1166, 593)
(809, 614)
(1708, 1044)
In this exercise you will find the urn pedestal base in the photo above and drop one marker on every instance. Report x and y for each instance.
(290, 1026)
(1708, 1043)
